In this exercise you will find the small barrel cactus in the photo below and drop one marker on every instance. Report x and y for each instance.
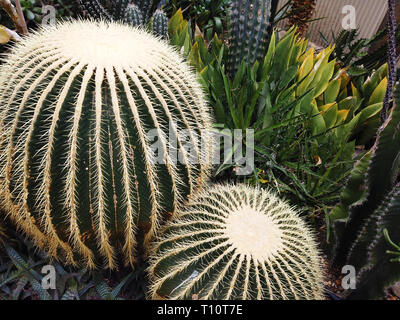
(81, 104)
(236, 242)
(248, 24)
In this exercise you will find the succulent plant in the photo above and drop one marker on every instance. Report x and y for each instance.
(160, 23)
(248, 32)
(80, 173)
(370, 208)
(236, 242)
(130, 12)
(133, 15)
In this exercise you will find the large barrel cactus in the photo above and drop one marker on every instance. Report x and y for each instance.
(236, 242)
(92, 115)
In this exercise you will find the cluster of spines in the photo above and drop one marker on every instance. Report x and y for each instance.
(195, 257)
(77, 186)
(248, 27)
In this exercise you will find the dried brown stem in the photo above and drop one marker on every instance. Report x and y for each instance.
(16, 15)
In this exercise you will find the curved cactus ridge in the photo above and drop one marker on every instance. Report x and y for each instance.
(90, 119)
(248, 26)
(236, 242)
(160, 23)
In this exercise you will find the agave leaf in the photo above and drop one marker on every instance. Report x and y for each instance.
(370, 111)
(378, 95)
(332, 91)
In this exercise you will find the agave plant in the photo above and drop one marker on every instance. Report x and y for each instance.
(236, 242)
(306, 112)
(81, 176)
(23, 270)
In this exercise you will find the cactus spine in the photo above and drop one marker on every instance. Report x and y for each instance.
(81, 176)
(236, 242)
(160, 23)
(248, 32)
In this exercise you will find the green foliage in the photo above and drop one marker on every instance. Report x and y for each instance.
(208, 15)
(305, 118)
(369, 213)
(360, 55)
(21, 278)
(33, 11)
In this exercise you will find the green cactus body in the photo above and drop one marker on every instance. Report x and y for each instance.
(95, 9)
(119, 8)
(147, 7)
(133, 15)
(236, 242)
(248, 32)
(2, 233)
(160, 23)
(80, 174)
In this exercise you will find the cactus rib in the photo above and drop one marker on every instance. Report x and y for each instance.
(82, 177)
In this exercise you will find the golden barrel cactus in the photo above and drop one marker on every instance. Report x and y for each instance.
(236, 242)
(79, 171)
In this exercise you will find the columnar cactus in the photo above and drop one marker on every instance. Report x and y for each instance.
(79, 172)
(117, 11)
(248, 32)
(96, 10)
(236, 242)
(147, 7)
(133, 15)
(160, 23)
